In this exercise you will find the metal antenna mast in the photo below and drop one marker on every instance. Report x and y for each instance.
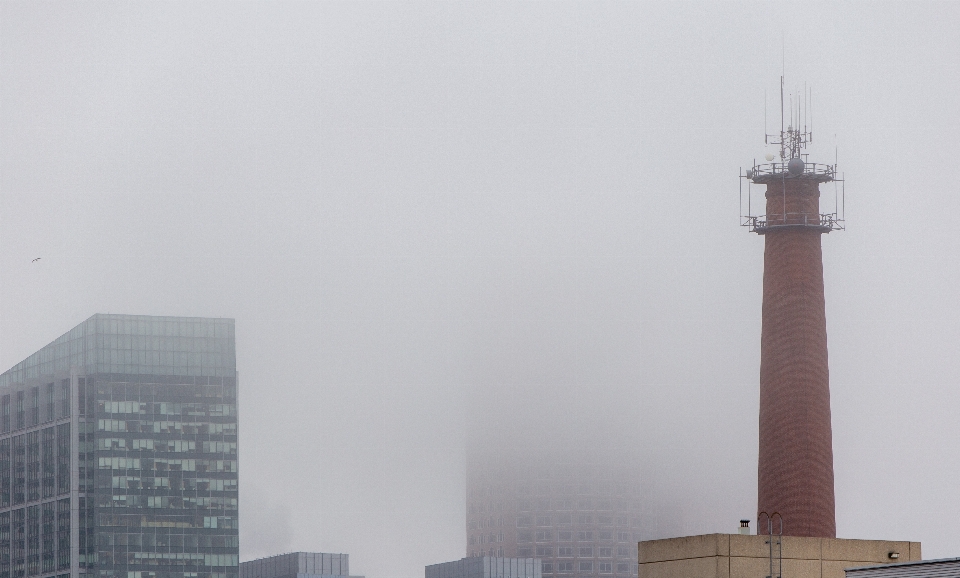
(792, 164)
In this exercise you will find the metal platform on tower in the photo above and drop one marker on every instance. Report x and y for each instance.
(791, 198)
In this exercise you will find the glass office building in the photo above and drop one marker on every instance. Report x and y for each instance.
(118, 452)
(298, 565)
(486, 567)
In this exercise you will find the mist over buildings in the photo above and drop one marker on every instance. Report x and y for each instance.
(441, 223)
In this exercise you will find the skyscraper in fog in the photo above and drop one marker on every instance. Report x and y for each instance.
(576, 510)
(118, 452)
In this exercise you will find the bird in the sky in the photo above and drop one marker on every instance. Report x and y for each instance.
(35, 260)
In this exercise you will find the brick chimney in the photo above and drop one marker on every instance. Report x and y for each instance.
(795, 469)
(795, 473)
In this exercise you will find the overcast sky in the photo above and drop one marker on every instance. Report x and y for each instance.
(418, 213)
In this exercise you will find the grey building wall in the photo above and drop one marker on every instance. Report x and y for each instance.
(945, 568)
(486, 567)
(297, 565)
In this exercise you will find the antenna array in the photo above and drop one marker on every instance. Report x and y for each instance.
(798, 133)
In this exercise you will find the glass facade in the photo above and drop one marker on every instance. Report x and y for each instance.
(298, 565)
(118, 452)
(486, 567)
(135, 344)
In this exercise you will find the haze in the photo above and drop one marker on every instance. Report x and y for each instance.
(517, 219)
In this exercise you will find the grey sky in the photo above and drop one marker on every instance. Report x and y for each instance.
(419, 212)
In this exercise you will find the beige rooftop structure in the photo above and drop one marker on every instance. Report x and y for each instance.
(748, 556)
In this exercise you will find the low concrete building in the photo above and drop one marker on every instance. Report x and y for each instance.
(486, 567)
(945, 568)
(748, 556)
(298, 565)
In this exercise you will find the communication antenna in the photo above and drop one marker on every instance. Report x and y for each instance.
(781, 110)
(796, 133)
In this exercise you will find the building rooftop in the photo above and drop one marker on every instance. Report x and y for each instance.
(136, 344)
(486, 567)
(943, 567)
(297, 565)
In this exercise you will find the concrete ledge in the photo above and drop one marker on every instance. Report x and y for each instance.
(685, 548)
(748, 556)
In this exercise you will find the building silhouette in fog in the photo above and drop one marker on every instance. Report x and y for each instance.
(118, 452)
(577, 511)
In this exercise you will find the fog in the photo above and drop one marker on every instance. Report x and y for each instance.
(434, 221)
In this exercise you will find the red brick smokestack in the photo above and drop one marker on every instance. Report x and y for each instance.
(796, 447)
